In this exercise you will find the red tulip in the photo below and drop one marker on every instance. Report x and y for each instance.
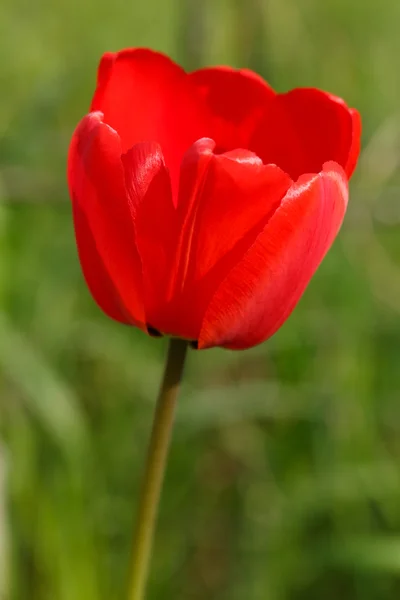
(204, 202)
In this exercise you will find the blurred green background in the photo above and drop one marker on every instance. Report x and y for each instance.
(284, 476)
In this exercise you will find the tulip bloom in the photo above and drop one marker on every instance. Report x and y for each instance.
(204, 202)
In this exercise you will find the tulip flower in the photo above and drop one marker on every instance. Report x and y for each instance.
(203, 204)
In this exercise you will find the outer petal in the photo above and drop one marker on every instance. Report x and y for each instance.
(146, 97)
(305, 128)
(263, 288)
(103, 221)
(98, 280)
(237, 100)
(225, 201)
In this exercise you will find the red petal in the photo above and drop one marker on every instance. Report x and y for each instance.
(225, 201)
(98, 280)
(263, 288)
(145, 96)
(237, 100)
(149, 186)
(305, 128)
(356, 142)
(103, 221)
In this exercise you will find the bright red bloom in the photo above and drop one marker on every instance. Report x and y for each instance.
(204, 202)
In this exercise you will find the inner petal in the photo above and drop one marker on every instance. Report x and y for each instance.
(237, 99)
(303, 129)
(147, 97)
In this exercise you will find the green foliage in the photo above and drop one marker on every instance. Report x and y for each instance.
(284, 478)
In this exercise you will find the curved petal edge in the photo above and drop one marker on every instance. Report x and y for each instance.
(261, 291)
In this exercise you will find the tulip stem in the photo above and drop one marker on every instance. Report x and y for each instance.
(155, 468)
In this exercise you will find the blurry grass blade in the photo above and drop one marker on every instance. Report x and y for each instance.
(380, 158)
(233, 402)
(47, 397)
(4, 554)
(370, 553)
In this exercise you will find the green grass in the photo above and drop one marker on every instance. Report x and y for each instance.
(284, 476)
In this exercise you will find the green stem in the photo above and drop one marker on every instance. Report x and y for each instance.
(155, 468)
